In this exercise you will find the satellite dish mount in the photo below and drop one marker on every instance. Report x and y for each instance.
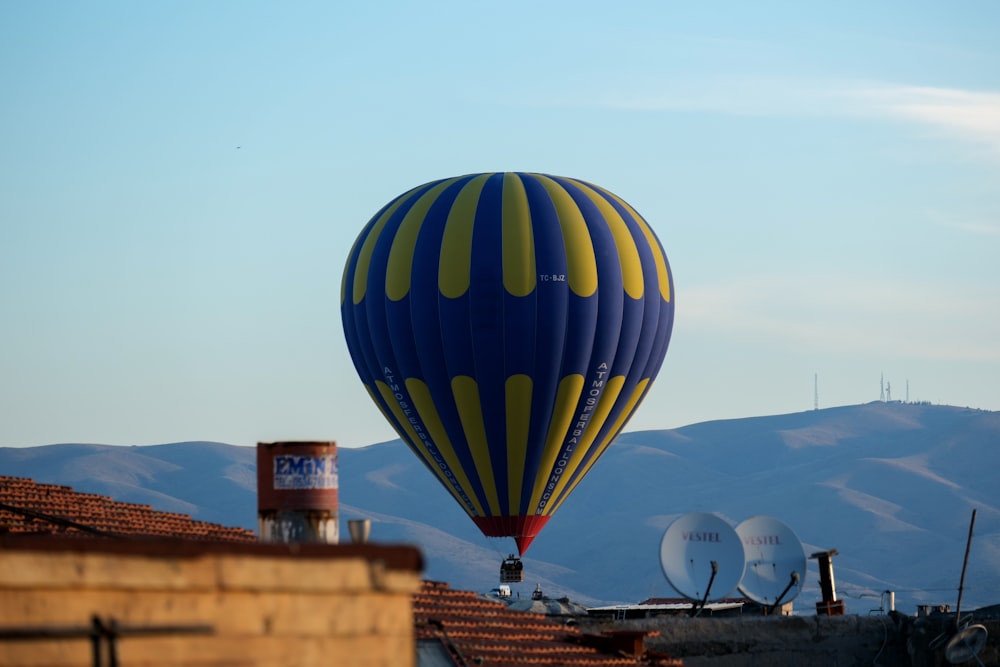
(697, 607)
(793, 580)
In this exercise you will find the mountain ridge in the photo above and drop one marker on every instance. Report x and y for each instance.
(891, 486)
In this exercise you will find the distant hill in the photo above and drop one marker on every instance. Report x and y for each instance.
(891, 486)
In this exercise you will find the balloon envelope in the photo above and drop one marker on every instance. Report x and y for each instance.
(507, 325)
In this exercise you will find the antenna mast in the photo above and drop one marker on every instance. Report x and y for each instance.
(881, 384)
(815, 391)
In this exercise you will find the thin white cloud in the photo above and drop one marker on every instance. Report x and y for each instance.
(970, 115)
(978, 227)
(981, 228)
(850, 315)
(747, 96)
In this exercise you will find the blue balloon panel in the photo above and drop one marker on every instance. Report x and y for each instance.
(508, 325)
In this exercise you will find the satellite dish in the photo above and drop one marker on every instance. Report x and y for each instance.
(966, 645)
(702, 557)
(775, 561)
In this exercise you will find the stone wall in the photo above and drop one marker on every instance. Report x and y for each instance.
(804, 641)
(795, 641)
(185, 603)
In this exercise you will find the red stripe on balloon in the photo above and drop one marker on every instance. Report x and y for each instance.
(523, 528)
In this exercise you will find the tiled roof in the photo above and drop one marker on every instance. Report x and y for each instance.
(479, 631)
(469, 628)
(28, 507)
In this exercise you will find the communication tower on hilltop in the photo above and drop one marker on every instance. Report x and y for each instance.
(888, 392)
(815, 391)
(881, 384)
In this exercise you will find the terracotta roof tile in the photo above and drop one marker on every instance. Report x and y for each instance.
(29, 507)
(478, 631)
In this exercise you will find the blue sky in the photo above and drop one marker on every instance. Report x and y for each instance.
(180, 184)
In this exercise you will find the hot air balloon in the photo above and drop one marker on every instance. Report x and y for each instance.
(507, 325)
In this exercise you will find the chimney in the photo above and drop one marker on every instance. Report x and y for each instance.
(829, 605)
(359, 530)
(297, 487)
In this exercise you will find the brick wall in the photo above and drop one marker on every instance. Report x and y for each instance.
(265, 604)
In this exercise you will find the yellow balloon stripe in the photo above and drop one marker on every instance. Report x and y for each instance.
(518, 239)
(455, 266)
(365, 256)
(628, 254)
(518, 402)
(567, 398)
(399, 268)
(410, 435)
(381, 408)
(609, 396)
(466, 393)
(347, 270)
(581, 264)
(662, 273)
(424, 404)
(612, 434)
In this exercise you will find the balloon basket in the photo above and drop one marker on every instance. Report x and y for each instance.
(511, 570)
